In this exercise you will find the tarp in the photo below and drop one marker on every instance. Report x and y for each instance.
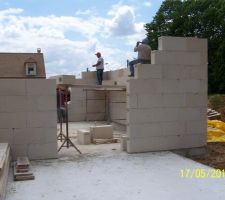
(216, 131)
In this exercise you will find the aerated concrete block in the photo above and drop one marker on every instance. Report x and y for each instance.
(96, 95)
(195, 100)
(164, 143)
(152, 86)
(77, 94)
(42, 151)
(83, 137)
(101, 132)
(46, 103)
(132, 101)
(19, 150)
(148, 71)
(41, 119)
(41, 87)
(88, 75)
(187, 114)
(173, 100)
(13, 120)
(12, 87)
(34, 135)
(117, 96)
(85, 82)
(176, 128)
(15, 104)
(6, 135)
(150, 100)
(182, 44)
(95, 106)
(123, 142)
(64, 79)
(109, 82)
(178, 58)
(117, 110)
(198, 127)
(144, 130)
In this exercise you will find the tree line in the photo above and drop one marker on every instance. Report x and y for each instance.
(195, 18)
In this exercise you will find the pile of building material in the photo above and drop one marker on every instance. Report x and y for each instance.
(212, 114)
(97, 134)
(4, 168)
(22, 169)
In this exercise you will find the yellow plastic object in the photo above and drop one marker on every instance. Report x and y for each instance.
(216, 131)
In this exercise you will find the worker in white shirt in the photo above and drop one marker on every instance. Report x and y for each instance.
(99, 68)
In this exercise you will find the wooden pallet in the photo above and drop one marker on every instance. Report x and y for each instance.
(22, 170)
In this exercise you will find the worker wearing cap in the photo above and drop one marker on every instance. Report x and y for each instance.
(144, 55)
(99, 68)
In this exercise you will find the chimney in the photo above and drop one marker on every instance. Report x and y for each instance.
(38, 50)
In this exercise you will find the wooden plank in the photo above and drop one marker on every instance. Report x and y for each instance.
(23, 161)
(24, 178)
(105, 141)
(16, 173)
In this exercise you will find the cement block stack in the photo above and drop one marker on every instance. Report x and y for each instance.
(28, 117)
(167, 100)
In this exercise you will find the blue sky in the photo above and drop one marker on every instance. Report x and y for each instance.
(70, 32)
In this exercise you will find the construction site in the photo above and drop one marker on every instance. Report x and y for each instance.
(129, 138)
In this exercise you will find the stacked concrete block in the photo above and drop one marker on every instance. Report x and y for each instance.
(83, 137)
(64, 79)
(101, 132)
(28, 117)
(167, 99)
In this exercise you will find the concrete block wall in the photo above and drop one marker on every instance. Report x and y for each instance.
(64, 79)
(28, 117)
(86, 105)
(167, 100)
(91, 105)
(120, 76)
(117, 106)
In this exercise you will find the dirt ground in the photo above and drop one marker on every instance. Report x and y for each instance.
(215, 156)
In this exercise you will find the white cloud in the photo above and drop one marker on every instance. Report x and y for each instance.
(148, 3)
(123, 20)
(64, 55)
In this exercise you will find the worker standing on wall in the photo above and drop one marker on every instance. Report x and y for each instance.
(144, 55)
(99, 68)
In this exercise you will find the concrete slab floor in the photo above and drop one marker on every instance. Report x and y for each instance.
(115, 176)
(103, 172)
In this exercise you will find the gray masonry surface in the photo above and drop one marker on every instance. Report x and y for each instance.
(28, 117)
(167, 100)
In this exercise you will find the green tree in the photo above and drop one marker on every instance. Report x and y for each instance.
(190, 18)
